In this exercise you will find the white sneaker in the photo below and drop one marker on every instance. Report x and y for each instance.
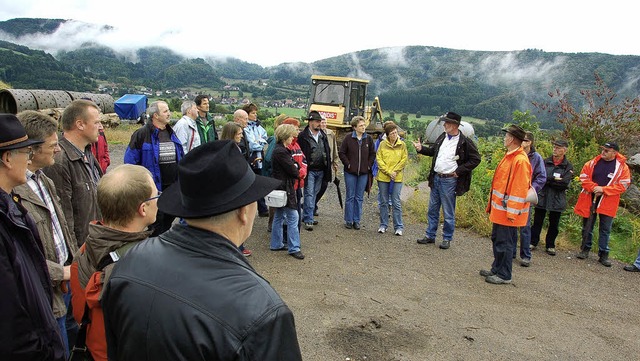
(399, 232)
(382, 229)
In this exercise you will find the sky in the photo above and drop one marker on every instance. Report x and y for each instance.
(272, 32)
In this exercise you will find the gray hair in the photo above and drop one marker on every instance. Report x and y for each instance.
(154, 109)
(186, 105)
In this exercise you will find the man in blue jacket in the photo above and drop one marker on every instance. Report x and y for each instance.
(156, 147)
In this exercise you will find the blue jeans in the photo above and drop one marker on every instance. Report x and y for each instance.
(503, 239)
(389, 193)
(637, 262)
(62, 323)
(312, 186)
(525, 239)
(290, 216)
(383, 189)
(355, 185)
(443, 193)
(604, 232)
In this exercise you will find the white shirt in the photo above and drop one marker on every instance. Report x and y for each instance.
(446, 161)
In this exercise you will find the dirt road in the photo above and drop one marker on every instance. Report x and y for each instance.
(360, 295)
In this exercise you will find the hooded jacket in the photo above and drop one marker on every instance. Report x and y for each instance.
(210, 304)
(391, 158)
(618, 184)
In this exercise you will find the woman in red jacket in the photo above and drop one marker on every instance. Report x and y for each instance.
(100, 149)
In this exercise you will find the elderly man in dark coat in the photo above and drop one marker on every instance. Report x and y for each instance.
(192, 284)
(28, 330)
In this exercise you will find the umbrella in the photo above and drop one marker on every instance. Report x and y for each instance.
(336, 181)
(591, 219)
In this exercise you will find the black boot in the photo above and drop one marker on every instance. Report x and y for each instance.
(584, 254)
(604, 258)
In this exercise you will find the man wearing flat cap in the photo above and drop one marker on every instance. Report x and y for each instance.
(552, 198)
(508, 208)
(190, 294)
(604, 178)
(28, 330)
(454, 157)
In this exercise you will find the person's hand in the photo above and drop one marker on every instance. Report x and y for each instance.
(418, 146)
(598, 191)
(393, 175)
(66, 273)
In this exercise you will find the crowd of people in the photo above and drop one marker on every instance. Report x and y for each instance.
(85, 248)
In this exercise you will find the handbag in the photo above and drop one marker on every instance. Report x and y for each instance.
(80, 352)
(276, 199)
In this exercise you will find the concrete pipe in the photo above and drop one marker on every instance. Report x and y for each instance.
(16, 100)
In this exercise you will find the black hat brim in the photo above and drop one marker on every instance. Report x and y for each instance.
(171, 202)
(23, 144)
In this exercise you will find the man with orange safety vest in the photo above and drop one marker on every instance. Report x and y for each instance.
(508, 208)
(604, 178)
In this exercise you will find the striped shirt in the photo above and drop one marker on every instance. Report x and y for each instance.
(38, 187)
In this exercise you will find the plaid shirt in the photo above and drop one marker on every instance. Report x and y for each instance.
(34, 182)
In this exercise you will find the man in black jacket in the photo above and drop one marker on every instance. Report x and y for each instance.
(315, 146)
(28, 330)
(190, 294)
(454, 157)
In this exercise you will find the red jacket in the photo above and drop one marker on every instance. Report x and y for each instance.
(100, 150)
(299, 158)
(608, 203)
(509, 187)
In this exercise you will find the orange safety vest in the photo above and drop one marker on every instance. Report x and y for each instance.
(608, 203)
(509, 187)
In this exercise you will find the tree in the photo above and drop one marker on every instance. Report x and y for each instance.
(175, 104)
(600, 119)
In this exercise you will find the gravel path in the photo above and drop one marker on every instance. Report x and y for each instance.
(360, 295)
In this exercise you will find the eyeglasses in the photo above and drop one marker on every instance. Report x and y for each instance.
(154, 197)
(29, 153)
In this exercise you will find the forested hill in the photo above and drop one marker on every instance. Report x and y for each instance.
(430, 80)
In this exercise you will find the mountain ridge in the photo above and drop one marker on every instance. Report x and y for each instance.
(430, 80)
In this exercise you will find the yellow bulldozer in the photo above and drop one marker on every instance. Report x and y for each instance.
(339, 99)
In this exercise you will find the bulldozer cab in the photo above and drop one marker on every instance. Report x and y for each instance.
(338, 99)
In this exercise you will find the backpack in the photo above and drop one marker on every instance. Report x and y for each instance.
(87, 310)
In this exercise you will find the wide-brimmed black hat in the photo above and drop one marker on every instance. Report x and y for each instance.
(452, 117)
(214, 178)
(12, 133)
(516, 131)
(314, 115)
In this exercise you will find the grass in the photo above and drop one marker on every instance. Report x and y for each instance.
(120, 134)
(470, 213)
